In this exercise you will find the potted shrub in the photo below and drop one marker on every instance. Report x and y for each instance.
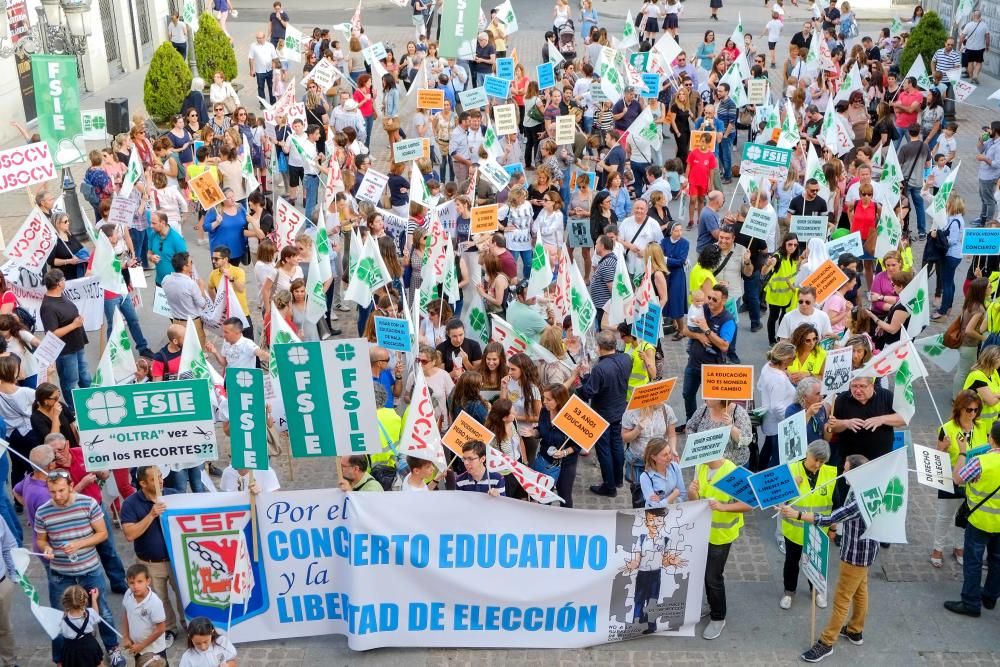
(167, 83)
(213, 50)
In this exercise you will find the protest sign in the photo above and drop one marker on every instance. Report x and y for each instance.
(580, 422)
(374, 52)
(647, 324)
(474, 98)
(837, 371)
(827, 279)
(757, 90)
(57, 100)
(85, 293)
(816, 558)
(760, 223)
(393, 333)
(933, 468)
(983, 241)
(809, 227)
(759, 160)
(313, 547)
(565, 130)
(324, 73)
(505, 68)
(484, 219)
(247, 411)
(576, 174)
(792, 438)
(652, 394)
(465, 429)
(774, 486)
(95, 124)
(25, 165)
(47, 351)
(124, 209)
(408, 149)
(578, 234)
(494, 174)
(430, 98)
(160, 306)
(727, 382)
(207, 189)
(705, 446)
(32, 244)
(328, 392)
(459, 23)
(496, 87)
(373, 186)
(288, 222)
(505, 119)
(737, 484)
(546, 76)
(703, 140)
(851, 243)
(652, 82)
(146, 424)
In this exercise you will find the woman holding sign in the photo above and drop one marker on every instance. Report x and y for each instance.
(557, 456)
(716, 414)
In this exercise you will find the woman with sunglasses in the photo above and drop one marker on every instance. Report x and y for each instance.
(779, 292)
(142, 145)
(219, 122)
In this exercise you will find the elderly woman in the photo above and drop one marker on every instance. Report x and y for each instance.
(775, 393)
(716, 414)
(809, 398)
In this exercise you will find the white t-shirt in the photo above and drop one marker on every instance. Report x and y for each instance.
(773, 28)
(263, 56)
(945, 144)
(775, 392)
(792, 320)
(651, 233)
(221, 651)
(143, 617)
(409, 487)
(975, 35)
(263, 271)
(241, 354)
(231, 480)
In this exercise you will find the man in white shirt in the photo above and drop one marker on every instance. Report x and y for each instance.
(238, 351)
(864, 178)
(806, 313)
(262, 56)
(347, 115)
(474, 137)
(177, 33)
(635, 233)
(457, 74)
(976, 39)
(458, 145)
(657, 182)
(296, 162)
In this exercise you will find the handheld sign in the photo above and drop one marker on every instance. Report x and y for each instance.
(372, 186)
(484, 219)
(546, 76)
(727, 382)
(578, 234)
(505, 119)
(465, 429)
(827, 279)
(809, 227)
(408, 149)
(837, 371)
(496, 87)
(850, 243)
(737, 484)
(647, 325)
(757, 92)
(565, 130)
(816, 557)
(505, 68)
(247, 417)
(933, 468)
(472, 99)
(774, 486)
(760, 223)
(25, 165)
(705, 446)
(653, 394)
(393, 333)
(984, 241)
(32, 244)
(207, 190)
(430, 98)
(652, 82)
(792, 438)
(581, 424)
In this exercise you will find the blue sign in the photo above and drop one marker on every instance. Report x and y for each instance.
(647, 326)
(505, 68)
(496, 87)
(652, 82)
(393, 333)
(981, 241)
(472, 99)
(546, 76)
(737, 484)
(774, 486)
(516, 168)
(900, 439)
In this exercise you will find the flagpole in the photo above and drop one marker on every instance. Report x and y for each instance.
(933, 402)
(253, 520)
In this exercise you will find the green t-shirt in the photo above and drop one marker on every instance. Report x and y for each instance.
(525, 319)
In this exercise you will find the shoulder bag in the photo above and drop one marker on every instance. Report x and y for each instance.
(953, 336)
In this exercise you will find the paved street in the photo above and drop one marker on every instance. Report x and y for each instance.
(906, 623)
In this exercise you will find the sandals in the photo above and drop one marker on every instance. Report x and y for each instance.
(937, 561)
(676, 336)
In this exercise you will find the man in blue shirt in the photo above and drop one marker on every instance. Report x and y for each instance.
(476, 477)
(709, 345)
(989, 172)
(164, 243)
(382, 374)
(605, 388)
(727, 115)
(626, 110)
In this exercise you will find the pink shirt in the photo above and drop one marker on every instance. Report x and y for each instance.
(835, 305)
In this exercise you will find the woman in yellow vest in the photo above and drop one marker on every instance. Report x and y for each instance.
(815, 481)
(985, 381)
(727, 519)
(643, 359)
(965, 426)
(780, 292)
(981, 477)
(810, 358)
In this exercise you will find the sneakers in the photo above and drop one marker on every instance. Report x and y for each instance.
(818, 651)
(713, 629)
(959, 607)
(781, 546)
(921, 236)
(854, 637)
(168, 638)
(821, 601)
(116, 658)
(786, 602)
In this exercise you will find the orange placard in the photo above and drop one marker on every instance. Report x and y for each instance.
(649, 395)
(484, 219)
(827, 279)
(426, 143)
(207, 189)
(430, 98)
(581, 424)
(727, 383)
(465, 429)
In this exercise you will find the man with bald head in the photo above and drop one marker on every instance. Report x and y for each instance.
(385, 375)
(709, 220)
(167, 362)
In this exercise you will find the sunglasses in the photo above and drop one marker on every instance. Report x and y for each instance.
(58, 474)
(713, 299)
(971, 411)
(805, 302)
(814, 191)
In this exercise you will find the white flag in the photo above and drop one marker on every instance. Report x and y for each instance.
(903, 394)
(916, 298)
(419, 192)
(541, 271)
(193, 364)
(629, 36)
(132, 174)
(323, 250)
(933, 348)
(581, 307)
(369, 275)
(537, 485)
(315, 290)
(850, 83)
(107, 267)
(889, 233)
(881, 488)
(421, 437)
(919, 72)
(241, 583)
(117, 363)
(619, 306)
(938, 209)
(668, 48)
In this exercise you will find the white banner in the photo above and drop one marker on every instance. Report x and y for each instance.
(881, 487)
(86, 293)
(25, 165)
(32, 244)
(439, 569)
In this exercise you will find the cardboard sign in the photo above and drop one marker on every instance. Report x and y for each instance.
(845, 244)
(727, 382)
(565, 130)
(505, 119)
(737, 484)
(652, 394)
(408, 149)
(757, 92)
(760, 223)
(546, 75)
(983, 241)
(705, 446)
(933, 468)
(430, 98)
(465, 429)
(816, 557)
(475, 98)
(484, 219)
(505, 68)
(809, 227)
(652, 82)
(837, 371)
(393, 333)
(792, 438)
(372, 186)
(578, 234)
(247, 417)
(207, 190)
(580, 422)
(827, 279)
(774, 486)
(494, 174)
(32, 244)
(160, 305)
(496, 87)
(703, 140)
(374, 52)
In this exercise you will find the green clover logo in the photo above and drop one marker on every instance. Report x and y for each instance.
(538, 258)
(918, 302)
(369, 273)
(344, 351)
(935, 346)
(894, 495)
(478, 320)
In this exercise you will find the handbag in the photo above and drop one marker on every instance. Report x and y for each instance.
(954, 334)
(546, 468)
(962, 515)
(390, 124)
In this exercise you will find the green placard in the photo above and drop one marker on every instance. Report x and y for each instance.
(459, 25)
(57, 101)
(307, 404)
(816, 557)
(247, 418)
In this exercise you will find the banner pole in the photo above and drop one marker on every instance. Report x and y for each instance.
(812, 624)
(253, 521)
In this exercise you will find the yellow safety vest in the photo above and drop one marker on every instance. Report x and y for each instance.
(390, 426)
(812, 365)
(987, 517)
(990, 412)
(725, 525)
(819, 501)
(780, 289)
(980, 436)
(638, 376)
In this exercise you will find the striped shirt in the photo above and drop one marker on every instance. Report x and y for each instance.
(62, 525)
(490, 480)
(603, 275)
(971, 471)
(854, 549)
(945, 62)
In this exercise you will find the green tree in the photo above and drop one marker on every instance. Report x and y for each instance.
(929, 36)
(168, 82)
(213, 50)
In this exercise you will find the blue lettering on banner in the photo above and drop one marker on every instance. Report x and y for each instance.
(393, 333)
(774, 486)
(984, 241)
(647, 326)
(546, 76)
(496, 87)
(652, 82)
(737, 484)
(567, 618)
(505, 68)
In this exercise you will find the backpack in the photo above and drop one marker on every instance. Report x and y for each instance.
(27, 319)
(89, 193)
(384, 473)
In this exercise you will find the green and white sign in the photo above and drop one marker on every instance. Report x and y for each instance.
(459, 26)
(57, 100)
(816, 558)
(759, 160)
(247, 418)
(328, 397)
(146, 424)
(95, 124)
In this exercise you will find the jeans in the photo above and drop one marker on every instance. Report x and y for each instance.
(692, 382)
(611, 456)
(182, 48)
(731, 354)
(947, 269)
(113, 567)
(639, 172)
(976, 542)
(58, 583)
(140, 243)
(6, 505)
(525, 256)
(369, 126)
(989, 204)
(480, 78)
(446, 167)
(852, 589)
(751, 296)
(73, 373)
(725, 153)
(917, 202)
(311, 184)
(124, 304)
(715, 579)
(179, 480)
(266, 79)
(769, 452)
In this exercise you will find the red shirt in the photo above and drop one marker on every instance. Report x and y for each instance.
(366, 108)
(700, 165)
(904, 119)
(77, 471)
(864, 219)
